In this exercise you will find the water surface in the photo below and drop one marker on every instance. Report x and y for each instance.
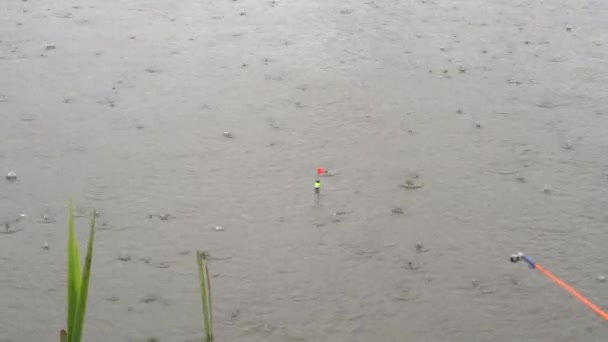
(127, 112)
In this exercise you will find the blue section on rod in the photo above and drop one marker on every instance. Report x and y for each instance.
(529, 261)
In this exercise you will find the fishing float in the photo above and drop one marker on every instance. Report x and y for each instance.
(520, 256)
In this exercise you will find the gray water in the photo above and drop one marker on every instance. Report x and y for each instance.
(126, 115)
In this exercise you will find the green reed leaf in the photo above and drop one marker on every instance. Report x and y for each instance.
(73, 272)
(76, 333)
(203, 280)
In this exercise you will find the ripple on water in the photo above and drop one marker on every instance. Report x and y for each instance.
(102, 193)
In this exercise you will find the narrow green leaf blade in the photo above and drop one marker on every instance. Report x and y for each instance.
(73, 272)
(76, 334)
(63, 336)
(209, 306)
(202, 284)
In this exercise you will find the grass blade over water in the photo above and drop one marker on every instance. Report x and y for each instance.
(73, 269)
(77, 287)
(205, 286)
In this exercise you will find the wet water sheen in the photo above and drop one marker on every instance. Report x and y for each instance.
(126, 110)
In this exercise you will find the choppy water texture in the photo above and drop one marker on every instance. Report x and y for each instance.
(122, 105)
